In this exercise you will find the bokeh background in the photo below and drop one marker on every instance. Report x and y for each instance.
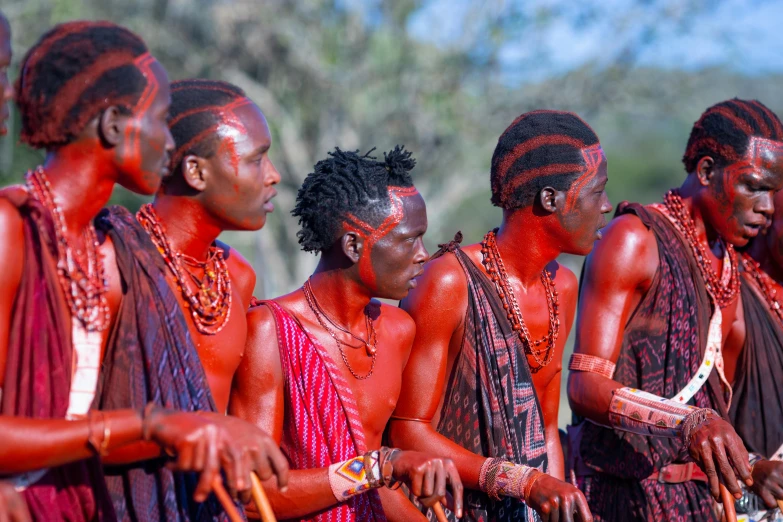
(444, 78)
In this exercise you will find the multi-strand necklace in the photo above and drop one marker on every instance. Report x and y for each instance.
(81, 274)
(723, 293)
(370, 345)
(764, 283)
(497, 272)
(210, 303)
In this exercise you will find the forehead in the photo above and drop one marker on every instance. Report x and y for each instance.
(5, 42)
(156, 74)
(245, 121)
(414, 213)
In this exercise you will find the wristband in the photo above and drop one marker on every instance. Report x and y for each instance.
(500, 478)
(643, 413)
(355, 476)
(581, 362)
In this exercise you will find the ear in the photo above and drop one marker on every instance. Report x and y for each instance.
(195, 171)
(352, 246)
(111, 126)
(705, 169)
(549, 199)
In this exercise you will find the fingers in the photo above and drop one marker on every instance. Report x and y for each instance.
(456, 487)
(279, 463)
(582, 509)
(261, 460)
(768, 498)
(567, 510)
(428, 484)
(554, 511)
(440, 480)
(709, 469)
(211, 469)
(738, 455)
(726, 471)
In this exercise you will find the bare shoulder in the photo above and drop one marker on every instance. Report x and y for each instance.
(563, 277)
(261, 330)
(628, 251)
(397, 320)
(240, 269)
(443, 281)
(11, 230)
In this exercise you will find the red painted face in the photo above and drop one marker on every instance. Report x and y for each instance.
(6, 88)
(393, 253)
(144, 154)
(586, 203)
(774, 235)
(739, 201)
(242, 177)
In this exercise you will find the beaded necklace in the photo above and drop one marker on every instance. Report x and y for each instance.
(723, 294)
(84, 288)
(764, 283)
(210, 304)
(497, 272)
(372, 343)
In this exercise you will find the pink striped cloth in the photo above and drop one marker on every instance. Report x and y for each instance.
(322, 424)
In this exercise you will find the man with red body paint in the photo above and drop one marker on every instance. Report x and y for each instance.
(323, 364)
(482, 385)
(661, 329)
(98, 105)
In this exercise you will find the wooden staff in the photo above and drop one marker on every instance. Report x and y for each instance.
(728, 504)
(438, 510)
(225, 500)
(261, 500)
(780, 505)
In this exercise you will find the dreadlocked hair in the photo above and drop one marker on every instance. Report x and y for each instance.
(539, 149)
(724, 131)
(347, 182)
(195, 115)
(75, 71)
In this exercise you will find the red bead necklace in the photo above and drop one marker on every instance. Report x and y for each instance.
(723, 294)
(83, 281)
(210, 304)
(497, 272)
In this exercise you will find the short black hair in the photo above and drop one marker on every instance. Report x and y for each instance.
(723, 132)
(348, 182)
(76, 70)
(539, 149)
(195, 115)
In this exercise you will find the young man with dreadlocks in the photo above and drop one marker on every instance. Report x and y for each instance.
(96, 100)
(757, 404)
(221, 179)
(323, 364)
(483, 381)
(660, 329)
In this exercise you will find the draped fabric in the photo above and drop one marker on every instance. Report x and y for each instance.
(322, 424)
(490, 406)
(150, 358)
(38, 371)
(662, 348)
(757, 408)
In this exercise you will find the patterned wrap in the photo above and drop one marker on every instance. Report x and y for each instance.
(758, 383)
(322, 426)
(150, 357)
(663, 346)
(490, 406)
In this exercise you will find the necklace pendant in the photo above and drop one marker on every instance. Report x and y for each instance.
(371, 350)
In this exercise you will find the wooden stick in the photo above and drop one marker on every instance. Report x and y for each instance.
(261, 500)
(780, 505)
(225, 500)
(438, 510)
(728, 504)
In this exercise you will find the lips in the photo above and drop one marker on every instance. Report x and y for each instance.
(268, 205)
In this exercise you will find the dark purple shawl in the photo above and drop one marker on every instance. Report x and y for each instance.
(38, 372)
(150, 357)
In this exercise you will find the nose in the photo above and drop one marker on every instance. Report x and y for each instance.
(170, 144)
(273, 177)
(421, 253)
(766, 205)
(606, 205)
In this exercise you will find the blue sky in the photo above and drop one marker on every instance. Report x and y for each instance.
(550, 37)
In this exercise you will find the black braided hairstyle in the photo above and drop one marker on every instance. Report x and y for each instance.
(348, 182)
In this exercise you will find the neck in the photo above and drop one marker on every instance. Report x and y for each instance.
(523, 227)
(81, 183)
(704, 232)
(339, 295)
(759, 250)
(189, 228)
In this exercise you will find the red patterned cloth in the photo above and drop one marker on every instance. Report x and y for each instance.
(321, 425)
